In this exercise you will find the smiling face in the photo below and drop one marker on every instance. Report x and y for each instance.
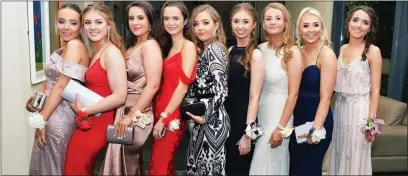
(359, 24)
(204, 27)
(95, 26)
(68, 24)
(310, 28)
(138, 21)
(273, 21)
(173, 20)
(242, 24)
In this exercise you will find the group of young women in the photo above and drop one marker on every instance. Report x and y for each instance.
(279, 84)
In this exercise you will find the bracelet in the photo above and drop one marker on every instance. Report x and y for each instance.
(37, 121)
(82, 113)
(286, 131)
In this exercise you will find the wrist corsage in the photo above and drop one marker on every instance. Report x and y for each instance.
(317, 134)
(139, 119)
(286, 131)
(82, 120)
(253, 131)
(170, 121)
(373, 126)
(36, 120)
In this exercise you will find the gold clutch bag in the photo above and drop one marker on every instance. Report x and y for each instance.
(111, 138)
(38, 100)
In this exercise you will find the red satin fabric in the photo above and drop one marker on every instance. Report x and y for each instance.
(84, 146)
(164, 150)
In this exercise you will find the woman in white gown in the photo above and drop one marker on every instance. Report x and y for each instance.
(283, 72)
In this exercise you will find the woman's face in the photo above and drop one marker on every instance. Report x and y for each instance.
(273, 21)
(204, 27)
(359, 25)
(95, 26)
(68, 24)
(173, 20)
(310, 28)
(138, 21)
(242, 24)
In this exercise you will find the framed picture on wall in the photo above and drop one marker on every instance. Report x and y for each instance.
(39, 38)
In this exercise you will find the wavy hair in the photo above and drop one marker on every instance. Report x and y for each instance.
(370, 36)
(151, 17)
(248, 8)
(219, 33)
(165, 38)
(324, 38)
(104, 11)
(287, 30)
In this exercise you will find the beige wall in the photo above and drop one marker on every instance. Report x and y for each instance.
(325, 8)
(17, 136)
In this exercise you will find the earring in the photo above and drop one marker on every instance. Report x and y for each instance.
(109, 31)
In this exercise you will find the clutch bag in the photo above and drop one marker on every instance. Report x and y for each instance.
(38, 100)
(127, 139)
(193, 106)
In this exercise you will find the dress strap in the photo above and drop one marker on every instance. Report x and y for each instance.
(103, 49)
(317, 58)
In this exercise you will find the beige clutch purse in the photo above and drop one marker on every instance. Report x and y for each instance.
(128, 139)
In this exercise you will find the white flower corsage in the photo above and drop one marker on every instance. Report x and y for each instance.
(286, 131)
(253, 131)
(141, 120)
(317, 134)
(174, 125)
(36, 120)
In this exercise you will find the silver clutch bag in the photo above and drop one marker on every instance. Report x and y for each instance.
(127, 139)
(38, 100)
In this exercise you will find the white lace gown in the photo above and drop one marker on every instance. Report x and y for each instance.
(267, 160)
(350, 151)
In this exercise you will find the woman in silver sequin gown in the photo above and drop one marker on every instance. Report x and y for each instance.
(70, 62)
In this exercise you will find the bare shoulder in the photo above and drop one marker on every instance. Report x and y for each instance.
(374, 50)
(189, 46)
(296, 53)
(75, 44)
(342, 47)
(327, 55)
(112, 52)
(257, 55)
(151, 43)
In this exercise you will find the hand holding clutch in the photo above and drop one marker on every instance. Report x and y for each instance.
(192, 106)
(126, 139)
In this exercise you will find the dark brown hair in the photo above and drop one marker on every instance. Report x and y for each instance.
(370, 36)
(151, 17)
(247, 7)
(165, 40)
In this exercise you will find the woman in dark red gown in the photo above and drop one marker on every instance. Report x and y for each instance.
(106, 76)
(178, 72)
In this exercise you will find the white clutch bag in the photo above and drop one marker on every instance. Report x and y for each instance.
(86, 97)
(301, 129)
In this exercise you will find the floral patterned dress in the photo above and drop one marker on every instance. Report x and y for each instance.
(206, 151)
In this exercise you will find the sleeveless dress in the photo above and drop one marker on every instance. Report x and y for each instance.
(307, 159)
(267, 160)
(85, 145)
(128, 159)
(350, 151)
(60, 125)
(206, 150)
(236, 105)
(164, 150)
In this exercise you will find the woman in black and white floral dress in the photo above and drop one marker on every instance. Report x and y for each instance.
(206, 152)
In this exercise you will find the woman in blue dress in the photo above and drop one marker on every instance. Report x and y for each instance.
(315, 91)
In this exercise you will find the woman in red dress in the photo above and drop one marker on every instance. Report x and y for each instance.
(178, 72)
(106, 76)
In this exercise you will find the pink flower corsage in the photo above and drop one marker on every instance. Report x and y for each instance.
(374, 126)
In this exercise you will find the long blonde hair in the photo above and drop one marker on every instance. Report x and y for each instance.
(248, 8)
(324, 38)
(104, 11)
(287, 30)
(219, 33)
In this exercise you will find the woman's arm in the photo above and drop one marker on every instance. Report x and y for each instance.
(255, 88)
(117, 78)
(153, 64)
(73, 53)
(218, 70)
(295, 68)
(328, 79)
(189, 61)
(375, 61)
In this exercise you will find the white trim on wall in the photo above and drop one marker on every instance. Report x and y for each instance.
(38, 76)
